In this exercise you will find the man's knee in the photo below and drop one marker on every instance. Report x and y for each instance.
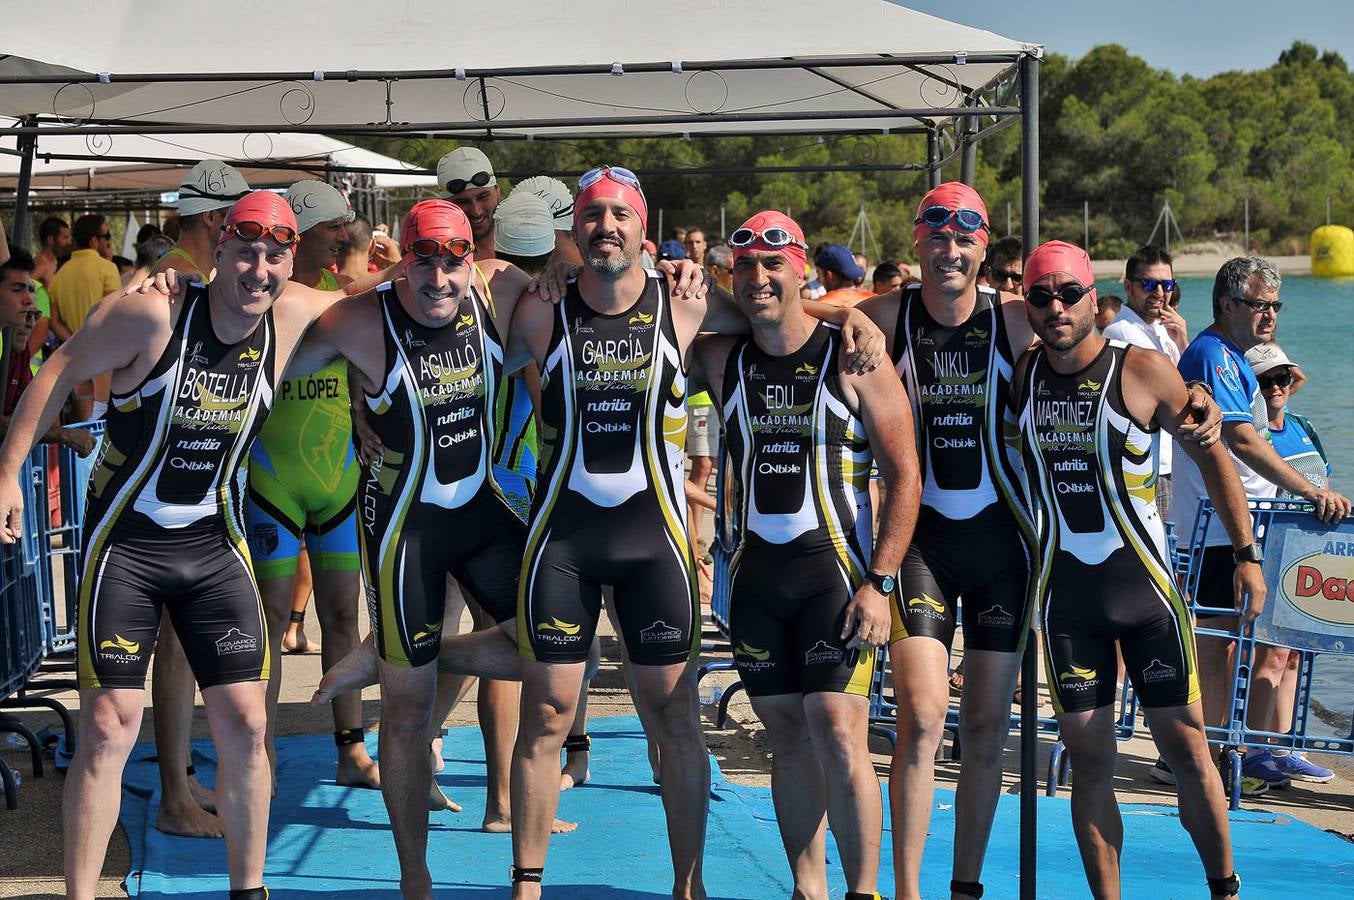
(921, 720)
(242, 724)
(842, 737)
(107, 731)
(984, 736)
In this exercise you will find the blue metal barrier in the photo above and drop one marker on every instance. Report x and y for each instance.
(22, 646)
(1309, 607)
(726, 540)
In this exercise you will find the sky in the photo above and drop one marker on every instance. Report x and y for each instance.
(1195, 37)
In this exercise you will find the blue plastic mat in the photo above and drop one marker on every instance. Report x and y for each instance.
(326, 839)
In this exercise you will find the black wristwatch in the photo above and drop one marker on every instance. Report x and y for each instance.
(1252, 553)
(884, 584)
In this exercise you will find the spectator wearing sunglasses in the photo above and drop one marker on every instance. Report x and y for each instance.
(467, 176)
(1004, 265)
(1142, 321)
(1276, 668)
(1246, 308)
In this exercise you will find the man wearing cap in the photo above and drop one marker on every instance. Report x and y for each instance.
(1091, 412)
(609, 511)
(955, 345)
(206, 194)
(468, 178)
(840, 274)
(302, 490)
(193, 380)
(809, 584)
(561, 202)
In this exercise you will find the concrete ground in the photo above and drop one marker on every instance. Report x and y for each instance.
(30, 865)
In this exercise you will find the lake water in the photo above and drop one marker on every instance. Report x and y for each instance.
(1316, 330)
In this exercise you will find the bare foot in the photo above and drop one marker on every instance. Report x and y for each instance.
(354, 672)
(203, 797)
(295, 640)
(653, 760)
(438, 762)
(358, 770)
(575, 771)
(438, 800)
(500, 824)
(188, 820)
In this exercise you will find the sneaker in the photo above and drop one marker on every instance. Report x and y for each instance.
(1161, 773)
(1250, 786)
(1262, 764)
(1299, 768)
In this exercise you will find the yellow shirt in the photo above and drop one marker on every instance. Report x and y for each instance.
(83, 281)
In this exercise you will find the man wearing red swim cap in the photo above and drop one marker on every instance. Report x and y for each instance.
(810, 586)
(611, 511)
(1090, 413)
(955, 344)
(193, 379)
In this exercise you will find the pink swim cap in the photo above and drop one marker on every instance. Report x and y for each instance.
(953, 195)
(770, 218)
(613, 186)
(1059, 256)
(440, 220)
(263, 207)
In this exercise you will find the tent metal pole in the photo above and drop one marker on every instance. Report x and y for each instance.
(968, 162)
(19, 233)
(933, 159)
(1029, 711)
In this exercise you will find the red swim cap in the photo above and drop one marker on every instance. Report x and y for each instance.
(264, 207)
(611, 186)
(770, 218)
(1059, 256)
(953, 195)
(440, 220)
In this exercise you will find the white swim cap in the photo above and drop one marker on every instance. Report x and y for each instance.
(464, 167)
(556, 194)
(524, 226)
(315, 202)
(209, 185)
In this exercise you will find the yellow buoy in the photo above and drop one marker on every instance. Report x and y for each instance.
(1333, 252)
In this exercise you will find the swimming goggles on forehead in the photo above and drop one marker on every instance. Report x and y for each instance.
(618, 173)
(967, 220)
(1068, 294)
(479, 179)
(252, 231)
(773, 237)
(426, 248)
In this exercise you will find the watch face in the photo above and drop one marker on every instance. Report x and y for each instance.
(886, 584)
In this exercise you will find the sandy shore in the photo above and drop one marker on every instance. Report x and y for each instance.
(1206, 264)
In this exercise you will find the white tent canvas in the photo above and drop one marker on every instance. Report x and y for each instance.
(524, 67)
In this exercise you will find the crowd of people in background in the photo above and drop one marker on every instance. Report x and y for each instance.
(978, 334)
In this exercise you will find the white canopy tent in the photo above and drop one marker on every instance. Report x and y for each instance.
(528, 69)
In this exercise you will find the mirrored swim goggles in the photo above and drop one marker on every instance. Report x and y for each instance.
(252, 231)
(773, 237)
(618, 173)
(479, 179)
(1068, 294)
(966, 220)
(426, 248)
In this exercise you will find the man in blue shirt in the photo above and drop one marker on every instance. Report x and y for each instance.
(1245, 314)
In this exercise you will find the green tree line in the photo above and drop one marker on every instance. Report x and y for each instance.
(1117, 138)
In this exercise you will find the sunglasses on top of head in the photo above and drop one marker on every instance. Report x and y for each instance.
(1069, 295)
(426, 248)
(479, 179)
(252, 231)
(967, 220)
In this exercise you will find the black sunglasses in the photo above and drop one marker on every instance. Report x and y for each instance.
(1151, 284)
(1069, 294)
(1001, 275)
(1261, 306)
(1283, 380)
(479, 179)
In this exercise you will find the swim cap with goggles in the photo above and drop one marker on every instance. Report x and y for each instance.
(261, 214)
(613, 183)
(1058, 257)
(432, 227)
(771, 231)
(956, 206)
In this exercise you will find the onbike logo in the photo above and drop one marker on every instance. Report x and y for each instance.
(465, 321)
(428, 632)
(660, 632)
(1321, 585)
(927, 605)
(557, 631)
(1078, 676)
(196, 354)
(411, 342)
(1157, 671)
(236, 641)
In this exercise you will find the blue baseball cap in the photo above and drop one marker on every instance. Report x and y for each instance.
(671, 250)
(836, 258)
